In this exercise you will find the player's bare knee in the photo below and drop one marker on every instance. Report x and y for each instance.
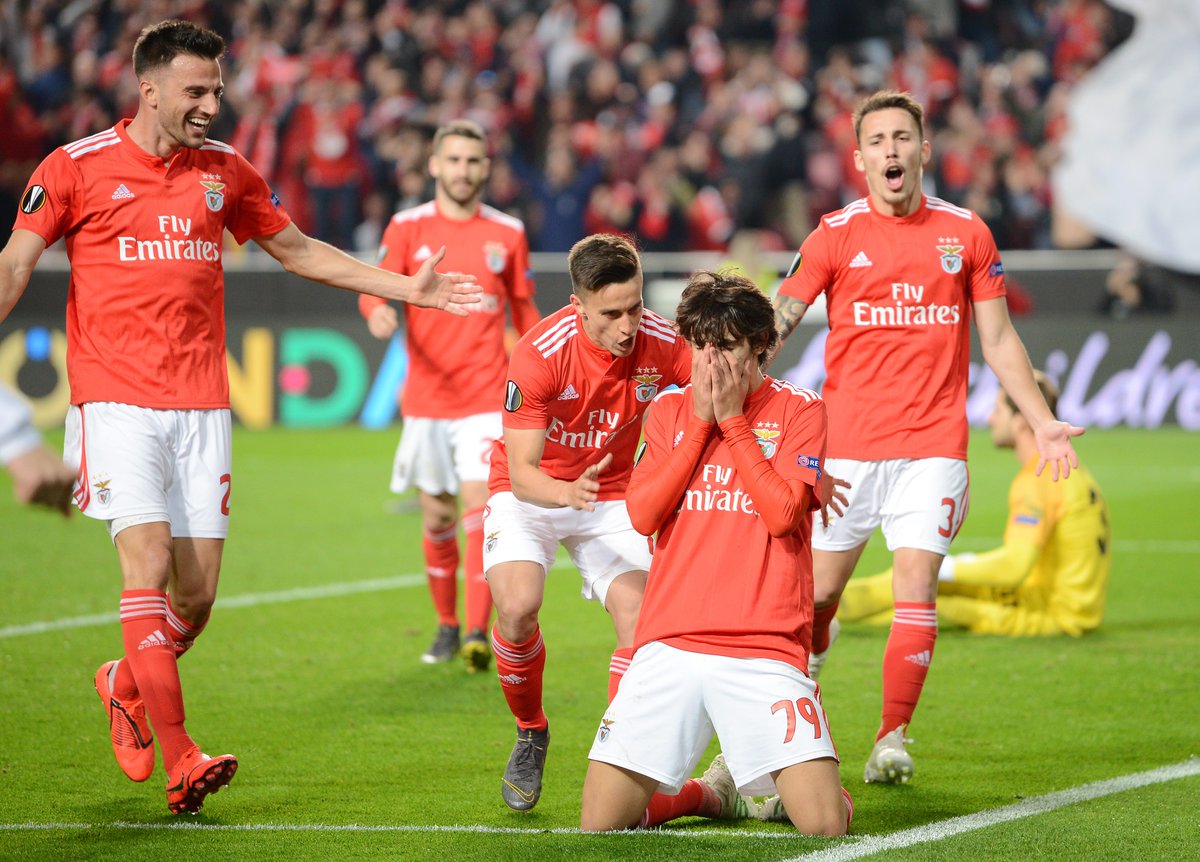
(829, 824)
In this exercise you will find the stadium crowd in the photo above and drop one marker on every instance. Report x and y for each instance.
(679, 121)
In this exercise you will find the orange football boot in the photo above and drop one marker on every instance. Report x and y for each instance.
(195, 776)
(132, 742)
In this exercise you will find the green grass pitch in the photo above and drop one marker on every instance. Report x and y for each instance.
(352, 749)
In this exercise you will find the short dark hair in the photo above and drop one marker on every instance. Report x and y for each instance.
(159, 44)
(458, 129)
(1048, 389)
(721, 308)
(884, 99)
(602, 259)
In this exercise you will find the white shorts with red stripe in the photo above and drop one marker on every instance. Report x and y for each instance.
(138, 465)
(436, 455)
(766, 713)
(919, 502)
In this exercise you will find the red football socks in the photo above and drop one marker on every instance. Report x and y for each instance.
(150, 655)
(520, 667)
(478, 609)
(617, 665)
(441, 568)
(906, 662)
(822, 617)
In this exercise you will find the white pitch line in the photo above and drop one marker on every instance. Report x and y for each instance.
(246, 600)
(872, 844)
(866, 846)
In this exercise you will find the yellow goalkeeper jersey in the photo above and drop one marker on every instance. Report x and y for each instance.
(1056, 553)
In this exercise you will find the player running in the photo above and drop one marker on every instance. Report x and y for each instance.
(144, 207)
(456, 369)
(578, 384)
(728, 479)
(903, 273)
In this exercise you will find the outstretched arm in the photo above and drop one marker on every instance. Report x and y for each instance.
(1006, 356)
(530, 484)
(321, 262)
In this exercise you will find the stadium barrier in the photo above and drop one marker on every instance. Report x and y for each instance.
(300, 355)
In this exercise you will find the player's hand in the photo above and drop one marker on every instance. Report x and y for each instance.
(730, 383)
(832, 497)
(383, 321)
(582, 493)
(452, 292)
(702, 386)
(41, 478)
(1054, 448)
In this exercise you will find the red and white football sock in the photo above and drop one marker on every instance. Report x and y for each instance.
(617, 665)
(520, 668)
(478, 609)
(694, 799)
(441, 568)
(906, 661)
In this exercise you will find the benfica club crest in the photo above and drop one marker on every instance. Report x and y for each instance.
(647, 381)
(214, 197)
(103, 492)
(767, 439)
(492, 538)
(951, 257)
(496, 256)
(605, 729)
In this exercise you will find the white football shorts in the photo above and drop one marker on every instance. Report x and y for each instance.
(766, 713)
(138, 465)
(919, 502)
(435, 455)
(602, 544)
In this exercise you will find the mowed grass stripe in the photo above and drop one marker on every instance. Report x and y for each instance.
(930, 832)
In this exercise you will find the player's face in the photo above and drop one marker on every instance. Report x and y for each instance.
(460, 169)
(187, 96)
(1001, 423)
(610, 316)
(891, 154)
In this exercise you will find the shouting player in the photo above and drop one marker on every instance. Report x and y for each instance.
(903, 274)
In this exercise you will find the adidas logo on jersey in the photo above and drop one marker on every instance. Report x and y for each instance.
(922, 658)
(157, 638)
(122, 193)
(860, 260)
(569, 393)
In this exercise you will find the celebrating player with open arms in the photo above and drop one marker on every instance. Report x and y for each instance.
(578, 384)
(144, 207)
(903, 273)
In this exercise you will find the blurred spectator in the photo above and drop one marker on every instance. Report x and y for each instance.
(1134, 286)
(681, 121)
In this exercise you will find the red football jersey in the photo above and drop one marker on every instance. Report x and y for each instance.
(590, 402)
(720, 582)
(899, 294)
(456, 365)
(146, 306)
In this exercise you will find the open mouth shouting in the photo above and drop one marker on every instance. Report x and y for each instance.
(893, 175)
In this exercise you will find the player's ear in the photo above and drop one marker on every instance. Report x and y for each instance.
(859, 164)
(149, 92)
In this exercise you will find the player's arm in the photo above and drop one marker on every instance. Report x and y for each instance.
(17, 260)
(789, 311)
(1005, 567)
(660, 478)
(321, 262)
(530, 484)
(524, 313)
(39, 476)
(1006, 356)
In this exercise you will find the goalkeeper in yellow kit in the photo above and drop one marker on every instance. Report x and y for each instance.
(1051, 574)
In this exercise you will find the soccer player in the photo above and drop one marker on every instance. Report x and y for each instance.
(39, 476)
(456, 369)
(728, 478)
(578, 384)
(903, 273)
(144, 207)
(1050, 575)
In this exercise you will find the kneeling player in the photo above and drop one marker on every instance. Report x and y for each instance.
(727, 478)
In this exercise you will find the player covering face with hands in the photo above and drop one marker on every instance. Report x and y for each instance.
(728, 479)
